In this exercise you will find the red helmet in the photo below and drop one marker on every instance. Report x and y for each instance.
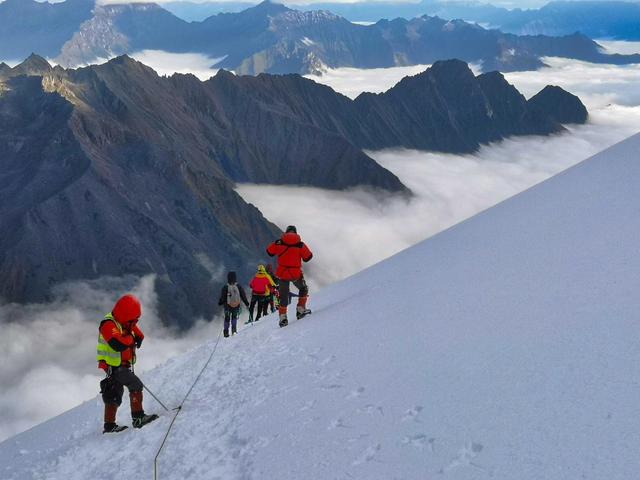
(127, 309)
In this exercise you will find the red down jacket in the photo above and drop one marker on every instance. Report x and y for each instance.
(291, 252)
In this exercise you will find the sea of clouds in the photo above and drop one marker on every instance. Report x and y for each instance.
(49, 363)
(447, 188)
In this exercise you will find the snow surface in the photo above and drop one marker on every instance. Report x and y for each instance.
(506, 347)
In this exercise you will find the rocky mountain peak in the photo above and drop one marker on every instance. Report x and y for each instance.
(130, 68)
(33, 65)
(268, 7)
(559, 104)
(445, 72)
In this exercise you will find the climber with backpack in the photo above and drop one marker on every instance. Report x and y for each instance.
(231, 296)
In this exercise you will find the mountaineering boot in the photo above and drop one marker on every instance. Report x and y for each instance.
(233, 330)
(301, 309)
(110, 425)
(113, 428)
(141, 419)
(225, 332)
(283, 320)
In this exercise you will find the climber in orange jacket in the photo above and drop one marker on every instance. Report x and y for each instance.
(118, 338)
(261, 287)
(291, 252)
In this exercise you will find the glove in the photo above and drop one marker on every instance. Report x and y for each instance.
(138, 341)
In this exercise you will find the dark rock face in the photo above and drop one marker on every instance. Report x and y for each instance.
(446, 108)
(88, 197)
(559, 104)
(114, 171)
(111, 170)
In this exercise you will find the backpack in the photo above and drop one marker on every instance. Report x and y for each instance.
(233, 295)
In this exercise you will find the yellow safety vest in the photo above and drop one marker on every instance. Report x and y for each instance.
(105, 352)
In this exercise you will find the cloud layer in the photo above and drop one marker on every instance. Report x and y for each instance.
(165, 63)
(351, 82)
(349, 231)
(448, 188)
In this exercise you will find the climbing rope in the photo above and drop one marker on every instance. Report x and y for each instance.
(178, 409)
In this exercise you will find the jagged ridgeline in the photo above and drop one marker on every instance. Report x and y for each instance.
(113, 171)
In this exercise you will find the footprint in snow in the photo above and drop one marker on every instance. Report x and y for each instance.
(308, 405)
(355, 393)
(412, 414)
(333, 386)
(370, 409)
(368, 455)
(419, 441)
(358, 438)
(338, 423)
(328, 360)
(465, 457)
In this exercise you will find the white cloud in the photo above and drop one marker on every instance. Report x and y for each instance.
(165, 63)
(349, 231)
(622, 47)
(596, 84)
(353, 81)
(49, 350)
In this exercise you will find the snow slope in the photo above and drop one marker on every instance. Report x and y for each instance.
(506, 347)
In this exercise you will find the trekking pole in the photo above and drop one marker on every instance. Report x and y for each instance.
(156, 398)
(145, 387)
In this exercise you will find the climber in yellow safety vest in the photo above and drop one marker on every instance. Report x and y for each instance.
(119, 336)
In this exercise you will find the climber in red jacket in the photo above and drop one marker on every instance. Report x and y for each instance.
(118, 338)
(291, 251)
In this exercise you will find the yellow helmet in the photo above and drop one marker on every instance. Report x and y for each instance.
(261, 269)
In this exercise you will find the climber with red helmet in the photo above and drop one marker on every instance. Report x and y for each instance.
(118, 338)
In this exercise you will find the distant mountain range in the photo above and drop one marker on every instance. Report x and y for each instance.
(595, 19)
(111, 170)
(275, 39)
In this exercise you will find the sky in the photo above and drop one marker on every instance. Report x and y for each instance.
(448, 189)
(501, 3)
